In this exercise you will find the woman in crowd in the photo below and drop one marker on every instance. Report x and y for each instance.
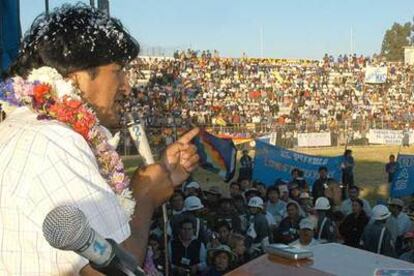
(352, 227)
(288, 230)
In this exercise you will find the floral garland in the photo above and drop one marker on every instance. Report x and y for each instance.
(52, 97)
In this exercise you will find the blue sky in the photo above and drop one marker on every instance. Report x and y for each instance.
(290, 28)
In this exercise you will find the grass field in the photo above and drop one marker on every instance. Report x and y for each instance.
(369, 169)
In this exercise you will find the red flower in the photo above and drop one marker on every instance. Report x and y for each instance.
(81, 128)
(40, 91)
(74, 104)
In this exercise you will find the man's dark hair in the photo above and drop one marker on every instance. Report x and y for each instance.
(235, 184)
(292, 204)
(272, 189)
(353, 187)
(177, 193)
(222, 223)
(323, 168)
(74, 37)
(359, 201)
(294, 170)
(347, 152)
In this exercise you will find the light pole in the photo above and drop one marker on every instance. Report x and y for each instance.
(103, 5)
(47, 7)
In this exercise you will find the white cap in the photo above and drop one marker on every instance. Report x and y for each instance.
(322, 203)
(193, 203)
(380, 212)
(306, 224)
(256, 202)
(192, 184)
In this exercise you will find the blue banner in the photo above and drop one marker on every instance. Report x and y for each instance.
(403, 181)
(10, 32)
(273, 162)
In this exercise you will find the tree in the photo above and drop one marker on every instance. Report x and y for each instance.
(394, 41)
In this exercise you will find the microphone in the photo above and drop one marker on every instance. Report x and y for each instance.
(67, 228)
(137, 132)
(139, 137)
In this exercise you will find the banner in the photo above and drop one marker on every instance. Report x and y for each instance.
(409, 55)
(375, 74)
(403, 182)
(274, 162)
(314, 139)
(388, 136)
(10, 32)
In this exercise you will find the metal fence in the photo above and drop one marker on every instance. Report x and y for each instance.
(350, 132)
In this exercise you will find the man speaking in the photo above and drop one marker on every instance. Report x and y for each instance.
(59, 96)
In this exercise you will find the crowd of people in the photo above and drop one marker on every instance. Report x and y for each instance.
(212, 231)
(204, 89)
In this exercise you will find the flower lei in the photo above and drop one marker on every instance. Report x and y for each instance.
(52, 97)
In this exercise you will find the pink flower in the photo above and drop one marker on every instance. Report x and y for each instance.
(22, 89)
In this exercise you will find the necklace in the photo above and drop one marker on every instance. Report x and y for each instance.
(52, 97)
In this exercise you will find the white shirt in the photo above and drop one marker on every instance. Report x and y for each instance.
(346, 207)
(404, 223)
(44, 164)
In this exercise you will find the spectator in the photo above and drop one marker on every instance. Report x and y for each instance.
(305, 203)
(347, 171)
(177, 203)
(192, 189)
(237, 244)
(352, 227)
(298, 180)
(241, 209)
(213, 196)
(404, 223)
(261, 188)
(284, 193)
(252, 192)
(193, 212)
(275, 206)
(306, 233)
(246, 166)
(409, 255)
(288, 230)
(187, 253)
(235, 189)
(346, 207)
(320, 184)
(158, 256)
(326, 229)
(258, 227)
(294, 192)
(245, 184)
(222, 260)
(391, 167)
(376, 237)
(226, 212)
